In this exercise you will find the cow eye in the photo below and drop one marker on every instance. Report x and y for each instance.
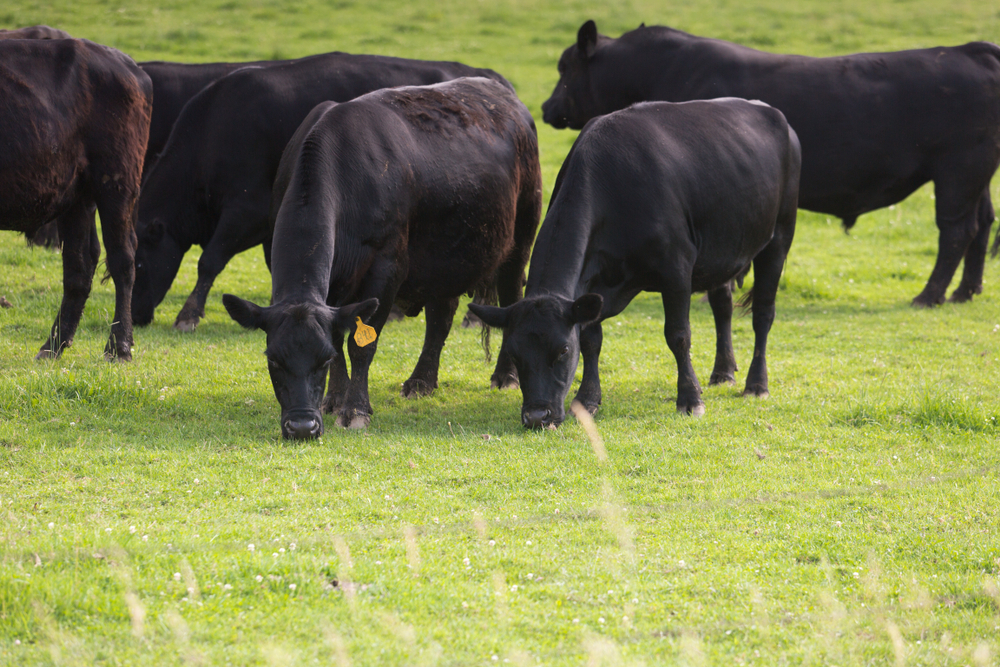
(564, 351)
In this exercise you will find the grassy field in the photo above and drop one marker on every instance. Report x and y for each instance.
(151, 515)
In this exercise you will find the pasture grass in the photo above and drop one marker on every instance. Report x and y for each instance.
(151, 514)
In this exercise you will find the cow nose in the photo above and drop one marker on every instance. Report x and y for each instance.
(303, 429)
(536, 418)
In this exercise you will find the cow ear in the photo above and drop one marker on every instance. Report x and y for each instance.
(586, 309)
(345, 316)
(642, 25)
(491, 316)
(248, 315)
(586, 39)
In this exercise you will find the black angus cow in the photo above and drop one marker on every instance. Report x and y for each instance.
(211, 186)
(659, 197)
(48, 234)
(75, 118)
(874, 126)
(414, 195)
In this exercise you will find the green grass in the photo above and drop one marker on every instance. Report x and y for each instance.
(849, 519)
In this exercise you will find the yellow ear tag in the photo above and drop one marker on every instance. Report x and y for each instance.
(364, 335)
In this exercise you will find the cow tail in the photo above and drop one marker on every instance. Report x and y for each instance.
(746, 302)
(486, 296)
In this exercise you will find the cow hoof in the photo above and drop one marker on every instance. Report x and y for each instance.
(693, 410)
(759, 393)
(45, 354)
(356, 422)
(721, 378)
(416, 388)
(186, 325)
(962, 295)
(508, 382)
(923, 301)
(470, 320)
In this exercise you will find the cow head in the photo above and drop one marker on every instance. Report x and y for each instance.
(542, 336)
(299, 350)
(575, 100)
(157, 258)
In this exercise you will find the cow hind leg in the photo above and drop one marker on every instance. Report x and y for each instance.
(767, 268)
(957, 210)
(423, 381)
(81, 251)
(721, 300)
(591, 340)
(677, 331)
(975, 254)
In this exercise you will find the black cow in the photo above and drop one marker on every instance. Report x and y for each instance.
(874, 126)
(212, 184)
(660, 197)
(74, 122)
(415, 195)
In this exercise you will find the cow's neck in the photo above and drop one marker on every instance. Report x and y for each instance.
(559, 256)
(301, 258)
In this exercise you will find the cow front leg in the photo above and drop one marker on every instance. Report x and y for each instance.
(242, 226)
(423, 381)
(677, 331)
(340, 381)
(591, 339)
(975, 255)
(721, 300)
(81, 251)
(357, 410)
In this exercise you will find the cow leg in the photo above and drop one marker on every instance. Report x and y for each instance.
(958, 226)
(340, 381)
(81, 251)
(721, 300)
(510, 288)
(975, 254)
(424, 379)
(591, 339)
(234, 234)
(677, 331)
(356, 411)
(767, 268)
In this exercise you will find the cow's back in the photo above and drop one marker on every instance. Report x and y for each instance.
(698, 185)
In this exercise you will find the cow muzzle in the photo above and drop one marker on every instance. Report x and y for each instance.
(539, 418)
(302, 427)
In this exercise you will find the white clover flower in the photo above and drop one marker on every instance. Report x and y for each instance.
(259, 578)
(513, 589)
(601, 620)
(177, 576)
(291, 546)
(51, 525)
(292, 586)
(492, 543)
(251, 547)
(131, 529)
(227, 587)
(145, 538)
(281, 550)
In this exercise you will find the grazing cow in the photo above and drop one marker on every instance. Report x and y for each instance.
(659, 197)
(75, 118)
(212, 184)
(874, 126)
(414, 195)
